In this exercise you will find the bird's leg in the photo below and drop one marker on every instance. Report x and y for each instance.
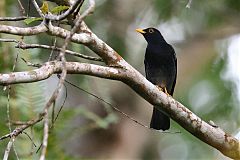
(160, 88)
(166, 92)
(164, 89)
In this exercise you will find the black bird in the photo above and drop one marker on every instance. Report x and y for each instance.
(161, 69)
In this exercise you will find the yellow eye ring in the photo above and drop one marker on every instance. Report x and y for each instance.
(150, 30)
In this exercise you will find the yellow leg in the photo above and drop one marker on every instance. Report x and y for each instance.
(160, 88)
(165, 91)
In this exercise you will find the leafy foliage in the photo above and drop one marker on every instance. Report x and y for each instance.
(58, 9)
(31, 20)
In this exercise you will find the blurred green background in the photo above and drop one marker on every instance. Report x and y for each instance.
(206, 38)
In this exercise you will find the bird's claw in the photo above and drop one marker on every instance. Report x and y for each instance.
(160, 88)
(166, 92)
(163, 90)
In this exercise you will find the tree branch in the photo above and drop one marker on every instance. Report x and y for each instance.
(213, 136)
(52, 67)
(37, 8)
(28, 31)
(86, 37)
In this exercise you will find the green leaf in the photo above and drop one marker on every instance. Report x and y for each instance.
(58, 9)
(30, 20)
(44, 7)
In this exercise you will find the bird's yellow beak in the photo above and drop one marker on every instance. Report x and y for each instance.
(140, 31)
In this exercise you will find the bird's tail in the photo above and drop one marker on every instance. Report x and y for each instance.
(159, 120)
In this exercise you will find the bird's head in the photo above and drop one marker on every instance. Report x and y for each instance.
(152, 35)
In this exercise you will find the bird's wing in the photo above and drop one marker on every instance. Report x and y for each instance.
(147, 68)
(175, 78)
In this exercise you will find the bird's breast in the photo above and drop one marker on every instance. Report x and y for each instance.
(160, 65)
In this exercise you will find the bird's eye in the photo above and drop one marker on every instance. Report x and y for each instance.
(150, 30)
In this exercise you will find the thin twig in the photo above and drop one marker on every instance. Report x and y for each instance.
(37, 8)
(32, 64)
(30, 138)
(20, 129)
(48, 105)
(52, 49)
(14, 18)
(28, 7)
(88, 11)
(189, 4)
(65, 14)
(17, 123)
(77, 10)
(9, 146)
(62, 78)
(54, 45)
(61, 107)
(54, 119)
(23, 45)
(57, 90)
(25, 17)
(45, 136)
(11, 143)
(31, 46)
(9, 40)
(21, 7)
(116, 108)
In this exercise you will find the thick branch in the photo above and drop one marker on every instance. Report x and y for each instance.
(65, 14)
(23, 45)
(211, 135)
(50, 68)
(32, 46)
(23, 31)
(14, 18)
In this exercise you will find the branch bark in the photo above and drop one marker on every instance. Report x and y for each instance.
(28, 31)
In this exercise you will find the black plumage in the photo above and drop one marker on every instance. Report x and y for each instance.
(161, 69)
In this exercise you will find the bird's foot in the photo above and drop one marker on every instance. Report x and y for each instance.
(163, 90)
(160, 88)
(166, 92)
